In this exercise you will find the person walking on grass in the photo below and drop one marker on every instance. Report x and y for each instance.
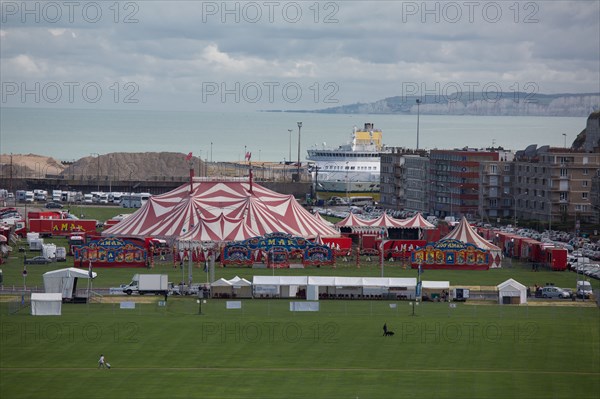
(101, 362)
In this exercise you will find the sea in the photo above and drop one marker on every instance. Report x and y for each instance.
(70, 134)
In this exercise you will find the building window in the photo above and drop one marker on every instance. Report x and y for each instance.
(585, 172)
(584, 183)
(563, 196)
(584, 195)
(563, 172)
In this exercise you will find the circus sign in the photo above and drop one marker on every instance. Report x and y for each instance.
(277, 245)
(284, 240)
(451, 254)
(111, 251)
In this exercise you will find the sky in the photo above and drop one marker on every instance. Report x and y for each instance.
(245, 56)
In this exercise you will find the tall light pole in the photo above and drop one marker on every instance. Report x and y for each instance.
(98, 170)
(211, 143)
(299, 127)
(515, 201)
(290, 148)
(565, 137)
(418, 114)
(347, 183)
(549, 212)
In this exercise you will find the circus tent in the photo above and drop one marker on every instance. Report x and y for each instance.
(386, 221)
(417, 222)
(222, 209)
(221, 228)
(465, 233)
(318, 216)
(354, 222)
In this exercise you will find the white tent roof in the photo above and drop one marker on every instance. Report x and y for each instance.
(328, 281)
(46, 304)
(279, 280)
(240, 282)
(221, 283)
(69, 272)
(62, 281)
(510, 283)
(46, 297)
(437, 285)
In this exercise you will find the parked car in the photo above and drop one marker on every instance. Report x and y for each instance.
(53, 205)
(584, 289)
(554, 292)
(37, 260)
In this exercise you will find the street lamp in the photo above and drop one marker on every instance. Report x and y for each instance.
(515, 200)
(549, 212)
(98, 170)
(347, 183)
(299, 127)
(290, 148)
(565, 137)
(418, 114)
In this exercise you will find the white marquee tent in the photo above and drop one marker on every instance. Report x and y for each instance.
(46, 304)
(511, 292)
(64, 281)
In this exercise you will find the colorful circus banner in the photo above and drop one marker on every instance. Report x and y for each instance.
(451, 254)
(277, 249)
(111, 252)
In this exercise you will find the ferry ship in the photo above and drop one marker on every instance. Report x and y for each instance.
(352, 167)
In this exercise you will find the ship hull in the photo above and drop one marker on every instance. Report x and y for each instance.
(351, 187)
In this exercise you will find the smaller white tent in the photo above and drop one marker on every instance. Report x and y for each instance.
(221, 289)
(512, 292)
(46, 304)
(242, 288)
(64, 281)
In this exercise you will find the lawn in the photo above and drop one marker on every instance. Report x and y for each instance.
(265, 351)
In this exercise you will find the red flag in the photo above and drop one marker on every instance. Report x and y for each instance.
(248, 155)
(188, 157)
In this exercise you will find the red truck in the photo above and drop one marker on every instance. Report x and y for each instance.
(45, 215)
(59, 227)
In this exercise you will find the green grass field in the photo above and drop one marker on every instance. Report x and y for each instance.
(265, 351)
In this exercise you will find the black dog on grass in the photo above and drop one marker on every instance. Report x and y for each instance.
(386, 332)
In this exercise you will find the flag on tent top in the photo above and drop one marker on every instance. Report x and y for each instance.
(188, 157)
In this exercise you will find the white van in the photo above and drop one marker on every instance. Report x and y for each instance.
(584, 289)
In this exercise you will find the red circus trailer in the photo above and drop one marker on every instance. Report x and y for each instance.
(530, 250)
(60, 227)
(45, 215)
(556, 258)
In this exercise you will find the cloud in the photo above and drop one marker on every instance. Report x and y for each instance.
(368, 49)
